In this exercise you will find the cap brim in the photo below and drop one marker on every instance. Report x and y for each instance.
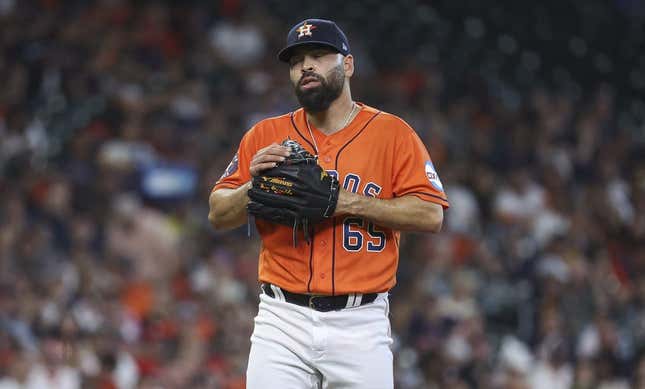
(285, 53)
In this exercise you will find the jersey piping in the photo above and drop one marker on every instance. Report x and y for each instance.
(293, 123)
(333, 251)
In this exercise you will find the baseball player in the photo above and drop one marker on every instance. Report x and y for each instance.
(330, 228)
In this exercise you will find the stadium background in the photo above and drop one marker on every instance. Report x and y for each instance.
(117, 117)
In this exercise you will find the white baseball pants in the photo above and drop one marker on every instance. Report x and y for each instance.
(294, 347)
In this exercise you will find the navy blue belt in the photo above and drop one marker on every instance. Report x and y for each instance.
(318, 302)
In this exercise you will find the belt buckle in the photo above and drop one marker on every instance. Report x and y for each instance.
(321, 305)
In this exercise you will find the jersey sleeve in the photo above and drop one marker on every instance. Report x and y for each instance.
(237, 172)
(414, 172)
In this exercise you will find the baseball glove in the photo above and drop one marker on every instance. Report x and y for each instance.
(296, 193)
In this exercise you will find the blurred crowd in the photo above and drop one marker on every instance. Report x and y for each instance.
(117, 117)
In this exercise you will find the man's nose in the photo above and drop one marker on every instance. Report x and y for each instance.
(307, 64)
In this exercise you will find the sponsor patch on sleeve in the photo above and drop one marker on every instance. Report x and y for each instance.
(433, 177)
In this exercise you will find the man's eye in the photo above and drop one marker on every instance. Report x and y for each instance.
(295, 60)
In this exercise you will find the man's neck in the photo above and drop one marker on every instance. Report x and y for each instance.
(336, 117)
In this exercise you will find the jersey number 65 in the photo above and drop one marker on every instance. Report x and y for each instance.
(354, 238)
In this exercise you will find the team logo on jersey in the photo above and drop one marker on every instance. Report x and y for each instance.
(231, 168)
(305, 29)
(432, 175)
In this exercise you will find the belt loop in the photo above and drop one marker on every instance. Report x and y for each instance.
(281, 293)
(277, 292)
(357, 300)
(350, 300)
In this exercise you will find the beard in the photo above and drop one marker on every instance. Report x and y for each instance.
(318, 99)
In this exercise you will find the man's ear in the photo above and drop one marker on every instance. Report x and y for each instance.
(348, 65)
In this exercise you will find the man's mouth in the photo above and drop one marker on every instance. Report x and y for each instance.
(309, 82)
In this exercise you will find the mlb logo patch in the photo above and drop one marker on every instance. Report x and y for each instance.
(231, 168)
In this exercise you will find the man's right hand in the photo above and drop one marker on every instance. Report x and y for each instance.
(268, 158)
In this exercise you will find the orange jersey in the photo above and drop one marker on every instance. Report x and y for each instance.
(378, 155)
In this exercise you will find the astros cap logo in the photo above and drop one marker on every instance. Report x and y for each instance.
(305, 29)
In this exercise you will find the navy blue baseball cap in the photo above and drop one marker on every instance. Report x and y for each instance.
(315, 31)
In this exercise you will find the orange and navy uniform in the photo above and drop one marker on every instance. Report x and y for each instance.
(377, 154)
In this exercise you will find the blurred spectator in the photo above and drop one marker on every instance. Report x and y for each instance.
(552, 369)
(53, 371)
